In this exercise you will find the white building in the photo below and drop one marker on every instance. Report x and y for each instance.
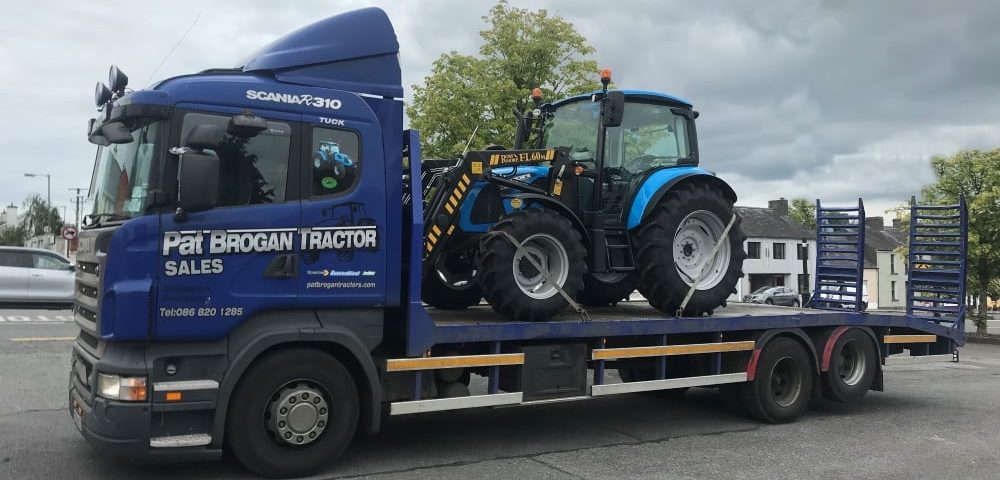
(773, 250)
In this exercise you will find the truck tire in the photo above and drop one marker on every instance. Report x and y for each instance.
(511, 284)
(292, 413)
(436, 293)
(853, 361)
(780, 391)
(603, 289)
(675, 242)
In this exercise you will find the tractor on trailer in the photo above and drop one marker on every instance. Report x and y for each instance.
(231, 297)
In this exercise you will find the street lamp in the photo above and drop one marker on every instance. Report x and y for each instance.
(48, 186)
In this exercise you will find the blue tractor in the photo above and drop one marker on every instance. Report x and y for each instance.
(329, 158)
(607, 198)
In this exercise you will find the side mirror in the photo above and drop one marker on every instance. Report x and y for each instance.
(197, 180)
(246, 125)
(94, 134)
(204, 136)
(116, 132)
(71, 267)
(613, 108)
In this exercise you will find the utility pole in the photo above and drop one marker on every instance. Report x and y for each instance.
(79, 197)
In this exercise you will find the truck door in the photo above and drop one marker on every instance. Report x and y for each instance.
(343, 214)
(222, 265)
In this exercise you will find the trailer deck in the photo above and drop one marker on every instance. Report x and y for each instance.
(636, 317)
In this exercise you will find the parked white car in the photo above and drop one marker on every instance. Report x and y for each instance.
(35, 276)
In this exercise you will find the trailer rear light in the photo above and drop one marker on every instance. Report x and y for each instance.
(115, 387)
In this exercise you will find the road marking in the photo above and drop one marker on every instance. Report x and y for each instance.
(43, 339)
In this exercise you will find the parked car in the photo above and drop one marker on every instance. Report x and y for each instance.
(34, 276)
(774, 296)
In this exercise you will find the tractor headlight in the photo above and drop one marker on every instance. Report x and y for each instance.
(115, 387)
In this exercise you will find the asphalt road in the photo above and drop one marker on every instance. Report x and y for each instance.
(934, 421)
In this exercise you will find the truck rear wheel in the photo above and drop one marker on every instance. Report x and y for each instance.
(674, 251)
(780, 391)
(511, 283)
(293, 412)
(603, 289)
(853, 362)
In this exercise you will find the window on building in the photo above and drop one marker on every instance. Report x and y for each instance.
(753, 249)
(779, 251)
(892, 290)
(892, 263)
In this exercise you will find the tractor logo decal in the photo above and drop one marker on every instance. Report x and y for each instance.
(521, 157)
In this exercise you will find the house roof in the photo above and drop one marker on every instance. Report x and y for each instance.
(881, 240)
(764, 222)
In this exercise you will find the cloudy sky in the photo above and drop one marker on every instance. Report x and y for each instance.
(833, 99)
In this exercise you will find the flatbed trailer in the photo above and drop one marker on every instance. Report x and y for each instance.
(210, 325)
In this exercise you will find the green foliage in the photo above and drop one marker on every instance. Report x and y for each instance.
(37, 215)
(522, 49)
(976, 175)
(803, 212)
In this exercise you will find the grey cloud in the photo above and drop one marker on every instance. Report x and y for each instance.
(834, 99)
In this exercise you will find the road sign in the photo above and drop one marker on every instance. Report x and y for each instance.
(68, 232)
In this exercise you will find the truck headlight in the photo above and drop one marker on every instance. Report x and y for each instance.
(116, 387)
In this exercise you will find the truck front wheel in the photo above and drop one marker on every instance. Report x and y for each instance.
(293, 412)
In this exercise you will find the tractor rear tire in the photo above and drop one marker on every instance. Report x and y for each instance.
(603, 289)
(511, 284)
(674, 243)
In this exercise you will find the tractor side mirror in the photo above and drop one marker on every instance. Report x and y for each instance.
(613, 108)
(197, 180)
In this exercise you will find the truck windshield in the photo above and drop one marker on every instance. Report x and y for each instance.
(121, 183)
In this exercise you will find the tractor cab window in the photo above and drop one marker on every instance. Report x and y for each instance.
(254, 170)
(336, 160)
(574, 125)
(651, 136)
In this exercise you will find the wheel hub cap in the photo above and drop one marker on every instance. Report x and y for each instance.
(694, 241)
(852, 363)
(298, 415)
(550, 254)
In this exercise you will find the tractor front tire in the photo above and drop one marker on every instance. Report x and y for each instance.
(438, 294)
(509, 280)
(603, 289)
(676, 241)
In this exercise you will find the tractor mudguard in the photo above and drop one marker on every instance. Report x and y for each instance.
(658, 182)
(529, 199)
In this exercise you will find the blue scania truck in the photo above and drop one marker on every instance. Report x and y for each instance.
(250, 278)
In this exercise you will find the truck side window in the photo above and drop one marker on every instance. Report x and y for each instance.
(254, 170)
(336, 160)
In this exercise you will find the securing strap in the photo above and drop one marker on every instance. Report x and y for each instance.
(584, 316)
(711, 258)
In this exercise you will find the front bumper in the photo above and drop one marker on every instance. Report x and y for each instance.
(129, 430)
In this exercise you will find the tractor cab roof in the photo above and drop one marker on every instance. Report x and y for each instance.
(630, 95)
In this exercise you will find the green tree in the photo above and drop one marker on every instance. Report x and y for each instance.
(522, 49)
(37, 215)
(976, 175)
(803, 212)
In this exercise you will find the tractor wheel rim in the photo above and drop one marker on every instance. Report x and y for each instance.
(694, 240)
(551, 255)
(852, 363)
(297, 414)
(786, 382)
